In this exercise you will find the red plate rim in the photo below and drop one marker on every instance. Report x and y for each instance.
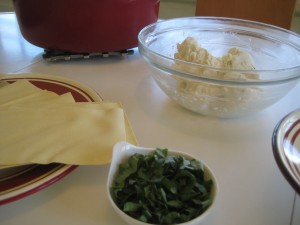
(287, 166)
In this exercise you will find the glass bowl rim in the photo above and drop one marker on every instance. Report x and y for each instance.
(294, 69)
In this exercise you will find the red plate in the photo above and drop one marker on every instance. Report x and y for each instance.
(286, 148)
(19, 182)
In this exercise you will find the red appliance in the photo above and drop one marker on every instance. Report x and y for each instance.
(84, 25)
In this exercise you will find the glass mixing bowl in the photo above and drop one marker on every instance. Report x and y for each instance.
(215, 90)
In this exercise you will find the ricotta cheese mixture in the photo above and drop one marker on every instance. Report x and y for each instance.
(211, 98)
(191, 51)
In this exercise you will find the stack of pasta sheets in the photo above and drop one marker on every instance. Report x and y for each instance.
(40, 126)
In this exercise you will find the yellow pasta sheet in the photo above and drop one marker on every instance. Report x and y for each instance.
(57, 129)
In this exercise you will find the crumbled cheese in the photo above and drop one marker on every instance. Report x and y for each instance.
(191, 51)
(209, 98)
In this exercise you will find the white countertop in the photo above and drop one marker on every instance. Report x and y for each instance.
(252, 190)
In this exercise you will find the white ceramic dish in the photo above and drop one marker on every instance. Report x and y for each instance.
(286, 148)
(20, 182)
(123, 150)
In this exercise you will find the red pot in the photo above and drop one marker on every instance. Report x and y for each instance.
(84, 26)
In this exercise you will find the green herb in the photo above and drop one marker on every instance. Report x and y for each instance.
(161, 189)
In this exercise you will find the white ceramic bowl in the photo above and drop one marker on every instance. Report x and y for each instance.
(275, 52)
(121, 153)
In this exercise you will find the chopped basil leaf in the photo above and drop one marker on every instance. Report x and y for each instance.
(161, 189)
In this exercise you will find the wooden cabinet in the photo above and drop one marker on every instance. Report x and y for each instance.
(275, 12)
